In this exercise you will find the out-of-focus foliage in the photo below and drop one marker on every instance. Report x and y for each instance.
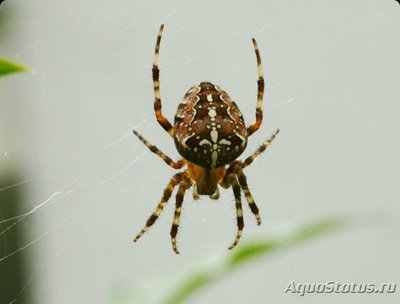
(176, 292)
(8, 67)
(12, 283)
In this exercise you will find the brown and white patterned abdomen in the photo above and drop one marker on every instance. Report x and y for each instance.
(209, 127)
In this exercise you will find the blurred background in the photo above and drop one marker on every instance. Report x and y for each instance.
(76, 186)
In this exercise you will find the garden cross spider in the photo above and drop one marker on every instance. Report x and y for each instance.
(210, 134)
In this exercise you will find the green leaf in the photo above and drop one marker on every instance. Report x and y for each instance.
(177, 288)
(252, 251)
(249, 252)
(8, 67)
(195, 282)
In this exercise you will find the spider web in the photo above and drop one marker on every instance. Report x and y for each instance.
(82, 182)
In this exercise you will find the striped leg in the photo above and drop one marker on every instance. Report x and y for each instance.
(239, 210)
(260, 83)
(176, 179)
(232, 170)
(261, 149)
(178, 207)
(154, 149)
(249, 197)
(156, 82)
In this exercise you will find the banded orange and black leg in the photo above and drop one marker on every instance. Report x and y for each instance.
(260, 95)
(184, 185)
(162, 120)
(175, 180)
(239, 210)
(176, 165)
(247, 162)
(253, 207)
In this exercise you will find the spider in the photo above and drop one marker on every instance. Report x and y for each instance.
(210, 134)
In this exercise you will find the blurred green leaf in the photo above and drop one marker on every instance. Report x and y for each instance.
(8, 67)
(178, 287)
(261, 247)
(194, 283)
(249, 252)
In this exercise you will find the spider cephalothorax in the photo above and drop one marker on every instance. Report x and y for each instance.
(210, 134)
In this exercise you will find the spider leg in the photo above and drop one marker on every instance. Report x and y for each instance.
(261, 149)
(175, 180)
(154, 149)
(249, 197)
(162, 120)
(239, 210)
(260, 83)
(178, 207)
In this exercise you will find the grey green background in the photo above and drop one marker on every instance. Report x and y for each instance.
(332, 87)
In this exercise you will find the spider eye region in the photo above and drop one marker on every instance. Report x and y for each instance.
(209, 128)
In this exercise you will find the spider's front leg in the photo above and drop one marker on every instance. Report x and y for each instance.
(260, 83)
(162, 120)
(184, 185)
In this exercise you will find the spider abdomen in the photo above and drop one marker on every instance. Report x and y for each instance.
(209, 128)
